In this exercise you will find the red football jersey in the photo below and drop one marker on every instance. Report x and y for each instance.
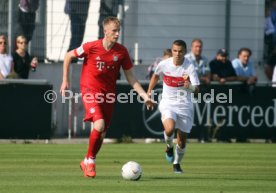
(101, 67)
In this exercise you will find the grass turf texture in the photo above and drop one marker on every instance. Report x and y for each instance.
(209, 168)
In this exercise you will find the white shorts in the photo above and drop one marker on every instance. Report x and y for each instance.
(183, 117)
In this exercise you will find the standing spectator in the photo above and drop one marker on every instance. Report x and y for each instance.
(6, 62)
(199, 61)
(221, 68)
(23, 62)
(151, 69)
(102, 62)
(107, 8)
(78, 12)
(203, 71)
(26, 17)
(244, 67)
(269, 34)
(176, 111)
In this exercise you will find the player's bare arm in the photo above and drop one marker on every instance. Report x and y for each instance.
(1, 76)
(153, 81)
(138, 88)
(66, 65)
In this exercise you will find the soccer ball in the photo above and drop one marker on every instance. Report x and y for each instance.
(131, 171)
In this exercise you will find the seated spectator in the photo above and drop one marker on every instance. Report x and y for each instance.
(200, 62)
(6, 63)
(222, 71)
(23, 62)
(151, 69)
(244, 67)
(221, 68)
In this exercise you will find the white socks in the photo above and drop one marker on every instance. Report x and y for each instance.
(169, 140)
(178, 155)
(89, 161)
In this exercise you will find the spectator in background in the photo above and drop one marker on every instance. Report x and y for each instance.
(23, 62)
(151, 69)
(221, 68)
(222, 71)
(244, 67)
(199, 61)
(78, 12)
(26, 17)
(245, 71)
(203, 71)
(107, 8)
(269, 34)
(6, 63)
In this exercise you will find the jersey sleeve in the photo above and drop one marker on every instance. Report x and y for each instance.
(82, 50)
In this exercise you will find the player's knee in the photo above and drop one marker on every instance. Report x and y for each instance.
(99, 128)
(169, 132)
(99, 125)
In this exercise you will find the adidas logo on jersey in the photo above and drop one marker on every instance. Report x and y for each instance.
(98, 58)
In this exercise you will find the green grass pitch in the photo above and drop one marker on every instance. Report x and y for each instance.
(209, 168)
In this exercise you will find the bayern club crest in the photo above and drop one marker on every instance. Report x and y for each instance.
(115, 58)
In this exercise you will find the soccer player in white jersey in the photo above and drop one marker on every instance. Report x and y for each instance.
(180, 80)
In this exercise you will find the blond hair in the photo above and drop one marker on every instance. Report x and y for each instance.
(20, 38)
(111, 19)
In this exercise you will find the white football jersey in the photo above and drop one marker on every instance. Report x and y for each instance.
(173, 81)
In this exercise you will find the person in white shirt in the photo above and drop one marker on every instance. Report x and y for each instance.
(180, 80)
(199, 61)
(244, 67)
(6, 62)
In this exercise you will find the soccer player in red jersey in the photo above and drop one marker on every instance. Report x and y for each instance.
(103, 59)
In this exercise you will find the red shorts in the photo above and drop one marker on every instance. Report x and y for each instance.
(98, 109)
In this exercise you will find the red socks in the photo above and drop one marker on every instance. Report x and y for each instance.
(95, 143)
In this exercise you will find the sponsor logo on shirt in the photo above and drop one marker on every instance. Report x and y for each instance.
(100, 65)
(98, 58)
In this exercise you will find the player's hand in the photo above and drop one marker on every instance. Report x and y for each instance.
(150, 104)
(186, 81)
(64, 86)
(222, 80)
